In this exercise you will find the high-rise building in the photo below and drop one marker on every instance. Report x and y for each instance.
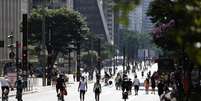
(139, 21)
(147, 25)
(10, 21)
(109, 16)
(53, 3)
(93, 11)
(135, 18)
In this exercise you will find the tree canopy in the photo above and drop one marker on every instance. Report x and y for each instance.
(124, 7)
(63, 26)
(178, 26)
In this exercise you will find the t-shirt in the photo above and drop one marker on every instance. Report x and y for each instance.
(136, 82)
(4, 82)
(60, 82)
(83, 85)
(97, 87)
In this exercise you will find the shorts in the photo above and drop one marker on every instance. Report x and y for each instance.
(82, 91)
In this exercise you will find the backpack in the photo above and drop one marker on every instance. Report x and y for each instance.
(97, 88)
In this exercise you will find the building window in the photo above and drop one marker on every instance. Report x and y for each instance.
(1, 43)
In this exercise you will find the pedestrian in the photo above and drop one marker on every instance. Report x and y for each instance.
(136, 83)
(19, 87)
(160, 87)
(153, 84)
(125, 87)
(97, 89)
(82, 88)
(5, 85)
(142, 74)
(74, 76)
(117, 82)
(146, 85)
(130, 83)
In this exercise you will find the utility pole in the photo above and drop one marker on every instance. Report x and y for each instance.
(24, 49)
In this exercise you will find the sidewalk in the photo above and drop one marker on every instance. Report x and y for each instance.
(34, 90)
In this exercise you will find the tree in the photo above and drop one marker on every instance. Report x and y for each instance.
(178, 26)
(132, 41)
(62, 27)
(124, 7)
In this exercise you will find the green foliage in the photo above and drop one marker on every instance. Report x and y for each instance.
(133, 41)
(187, 29)
(107, 51)
(62, 27)
(124, 7)
(89, 59)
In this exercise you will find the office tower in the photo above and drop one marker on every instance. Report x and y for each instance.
(109, 16)
(10, 21)
(93, 12)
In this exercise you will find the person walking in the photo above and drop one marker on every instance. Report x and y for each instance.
(19, 87)
(153, 85)
(136, 83)
(142, 73)
(82, 88)
(130, 83)
(97, 89)
(146, 85)
(160, 88)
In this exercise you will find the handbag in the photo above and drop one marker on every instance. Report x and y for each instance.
(64, 92)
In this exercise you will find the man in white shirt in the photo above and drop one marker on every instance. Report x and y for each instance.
(5, 84)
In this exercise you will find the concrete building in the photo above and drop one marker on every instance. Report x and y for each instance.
(109, 16)
(10, 21)
(93, 11)
(53, 4)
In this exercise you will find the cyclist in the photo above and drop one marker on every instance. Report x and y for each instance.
(60, 86)
(5, 85)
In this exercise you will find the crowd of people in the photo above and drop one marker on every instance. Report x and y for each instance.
(170, 86)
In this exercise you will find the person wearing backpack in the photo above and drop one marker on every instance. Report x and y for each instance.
(82, 88)
(97, 89)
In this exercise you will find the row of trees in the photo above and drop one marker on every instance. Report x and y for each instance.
(132, 41)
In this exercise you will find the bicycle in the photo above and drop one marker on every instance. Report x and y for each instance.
(125, 95)
(5, 95)
(60, 96)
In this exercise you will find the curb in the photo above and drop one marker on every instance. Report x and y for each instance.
(25, 93)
